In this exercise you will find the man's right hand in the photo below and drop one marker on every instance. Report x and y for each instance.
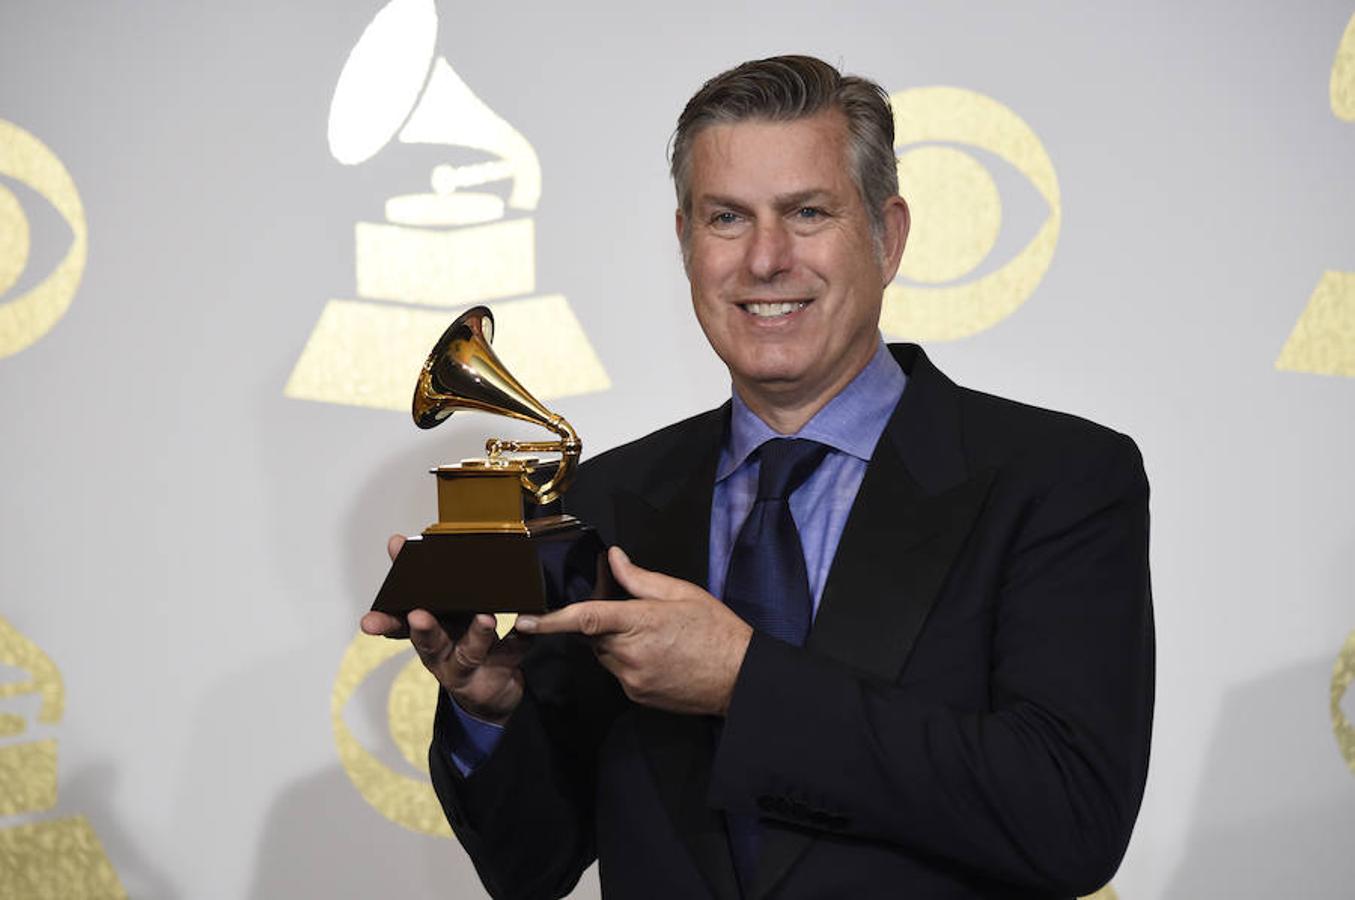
(477, 668)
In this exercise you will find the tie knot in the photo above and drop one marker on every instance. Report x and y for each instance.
(785, 464)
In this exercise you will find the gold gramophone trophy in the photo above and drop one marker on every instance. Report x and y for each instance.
(483, 554)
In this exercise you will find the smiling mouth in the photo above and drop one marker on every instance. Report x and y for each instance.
(773, 310)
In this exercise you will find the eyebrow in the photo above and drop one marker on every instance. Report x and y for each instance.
(803, 198)
(781, 202)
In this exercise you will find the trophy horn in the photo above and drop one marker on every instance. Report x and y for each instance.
(463, 372)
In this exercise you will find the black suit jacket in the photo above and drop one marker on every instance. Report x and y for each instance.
(970, 716)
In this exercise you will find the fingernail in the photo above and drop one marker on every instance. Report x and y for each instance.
(526, 624)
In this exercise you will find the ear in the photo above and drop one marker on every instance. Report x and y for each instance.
(679, 227)
(897, 221)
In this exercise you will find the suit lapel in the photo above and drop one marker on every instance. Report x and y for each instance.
(668, 530)
(916, 506)
(893, 558)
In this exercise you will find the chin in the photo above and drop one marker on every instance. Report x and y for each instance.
(771, 375)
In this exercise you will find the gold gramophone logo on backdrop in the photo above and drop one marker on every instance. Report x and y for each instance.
(957, 214)
(467, 240)
(31, 313)
(1323, 339)
(1342, 674)
(55, 857)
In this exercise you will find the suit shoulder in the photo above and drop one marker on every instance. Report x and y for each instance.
(999, 430)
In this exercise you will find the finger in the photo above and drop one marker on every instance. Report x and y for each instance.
(642, 582)
(428, 637)
(471, 651)
(454, 624)
(384, 625)
(591, 617)
(393, 545)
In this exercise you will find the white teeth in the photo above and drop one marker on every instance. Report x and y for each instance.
(772, 310)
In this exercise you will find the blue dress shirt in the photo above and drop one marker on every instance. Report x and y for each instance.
(850, 424)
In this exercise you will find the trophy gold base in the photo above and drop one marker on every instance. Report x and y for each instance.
(552, 562)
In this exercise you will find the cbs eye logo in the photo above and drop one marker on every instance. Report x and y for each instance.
(957, 214)
(30, 306)
(405, 797)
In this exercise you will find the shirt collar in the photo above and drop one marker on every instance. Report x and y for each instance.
(851, 422)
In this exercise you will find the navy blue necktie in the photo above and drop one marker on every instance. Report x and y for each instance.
(768, 586)
(766, 583)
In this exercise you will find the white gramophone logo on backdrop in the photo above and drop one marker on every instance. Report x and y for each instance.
(470, 239)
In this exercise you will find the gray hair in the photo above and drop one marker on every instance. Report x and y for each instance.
(785, 88)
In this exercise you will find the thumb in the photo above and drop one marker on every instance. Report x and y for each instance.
(642, 582)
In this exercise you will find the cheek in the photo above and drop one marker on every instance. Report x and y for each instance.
(712, 263)
(708, 317)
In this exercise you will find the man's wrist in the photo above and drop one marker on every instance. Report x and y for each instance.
(470, 739)
(477, 716)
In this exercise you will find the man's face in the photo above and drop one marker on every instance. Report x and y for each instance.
(785, 274)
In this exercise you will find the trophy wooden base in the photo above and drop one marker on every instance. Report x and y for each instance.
(558, 561)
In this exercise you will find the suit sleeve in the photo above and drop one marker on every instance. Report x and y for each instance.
(525, 814)
(1041, 788)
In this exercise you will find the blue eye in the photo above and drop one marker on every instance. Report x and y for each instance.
(725, 218)
(809, 213)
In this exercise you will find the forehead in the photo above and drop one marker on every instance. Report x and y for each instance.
(757, 155)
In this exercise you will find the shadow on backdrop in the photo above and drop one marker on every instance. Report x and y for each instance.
(89, 792)
(1274, 814)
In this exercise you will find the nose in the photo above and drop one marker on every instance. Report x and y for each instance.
(769, 251)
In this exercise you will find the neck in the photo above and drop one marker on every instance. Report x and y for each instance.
(787, 407)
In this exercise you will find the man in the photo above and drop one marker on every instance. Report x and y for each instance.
(968, 714)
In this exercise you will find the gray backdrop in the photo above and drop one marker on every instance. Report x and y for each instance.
(189, 548)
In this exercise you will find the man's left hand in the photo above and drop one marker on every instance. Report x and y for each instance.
(673, 647)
